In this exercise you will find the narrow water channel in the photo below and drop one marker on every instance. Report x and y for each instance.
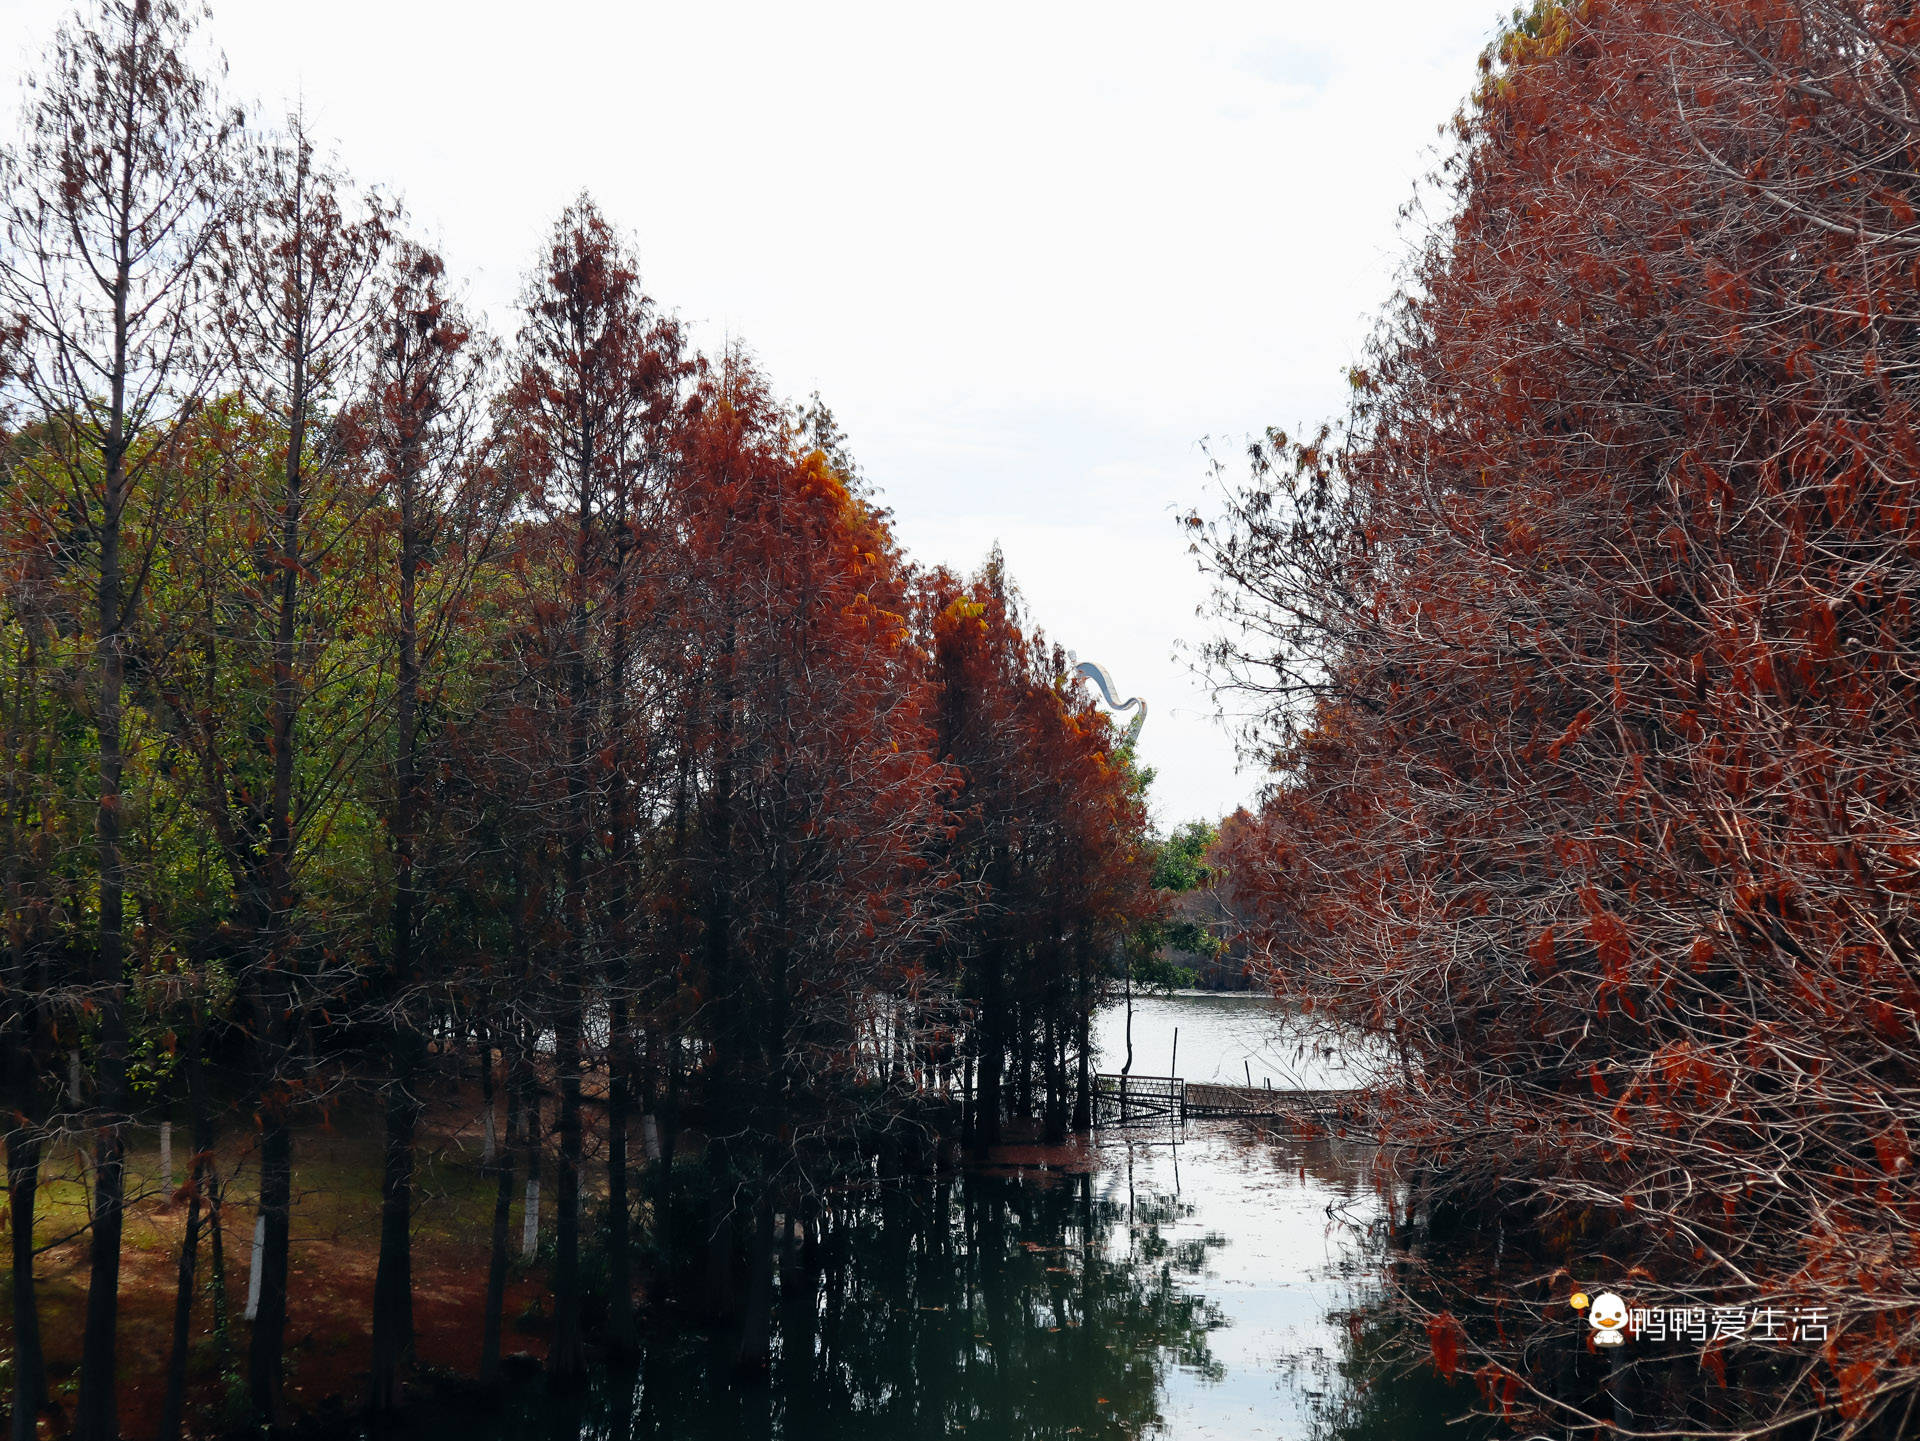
(1208, 1281)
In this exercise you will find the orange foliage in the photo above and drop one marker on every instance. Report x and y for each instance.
(1588, 658)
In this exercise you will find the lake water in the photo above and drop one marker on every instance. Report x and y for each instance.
(1235, 1038)
(1210, 1281)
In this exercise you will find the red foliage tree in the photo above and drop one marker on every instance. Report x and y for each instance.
(444, 505)
(595, 369)
(111, 204)
(820, 801)
(1590, 651)
(1047, 833)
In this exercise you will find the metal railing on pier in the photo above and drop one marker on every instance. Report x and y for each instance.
(1129, 1100)
(1126, 1100)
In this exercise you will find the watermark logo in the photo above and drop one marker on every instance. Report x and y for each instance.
(1614, 1322)
(1608, 1318)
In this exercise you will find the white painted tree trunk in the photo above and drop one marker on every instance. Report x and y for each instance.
(488, 1144)
(650, 1132)
(253, 1271)
(530, 1229)
(73, 1077)
(166, 1157)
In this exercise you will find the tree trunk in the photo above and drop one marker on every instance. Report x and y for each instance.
(565, 1359)
(96, 1414)
(531, 1135)
(490, 1147)
(620, 1049)
(173, 1407)
(993, 1051)
(719, 1300)
(267, 1350)
(217, 1266)
(1083, 1027)
(664, 1239)
(1023, 1062)
(29, 1370)
(756, 1329)
(497, 1257)
(799, 1298)
(620, 1332)
(393, 1280)
(1053, 1066)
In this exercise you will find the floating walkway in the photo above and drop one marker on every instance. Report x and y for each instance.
(1130, 1100)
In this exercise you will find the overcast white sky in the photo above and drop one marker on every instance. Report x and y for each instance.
(1030, 254)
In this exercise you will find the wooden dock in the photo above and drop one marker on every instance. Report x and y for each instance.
(1203, 1098)
(1131, 1100)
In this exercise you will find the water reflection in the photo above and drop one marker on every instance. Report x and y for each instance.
(1023, 1305)
(1209, 1283)
(1218, 1288)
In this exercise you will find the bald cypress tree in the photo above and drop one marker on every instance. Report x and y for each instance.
(110, 205)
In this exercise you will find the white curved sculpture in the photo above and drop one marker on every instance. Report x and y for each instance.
(1098, 675)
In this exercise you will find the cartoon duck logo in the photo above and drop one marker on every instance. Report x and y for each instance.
(1608, 1317)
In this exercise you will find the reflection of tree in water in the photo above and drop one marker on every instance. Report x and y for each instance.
(1379, 1388)
(988, 1307)
(1005, 1306)
(1377, 1384)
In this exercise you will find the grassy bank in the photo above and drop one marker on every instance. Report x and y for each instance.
(334, 1253)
